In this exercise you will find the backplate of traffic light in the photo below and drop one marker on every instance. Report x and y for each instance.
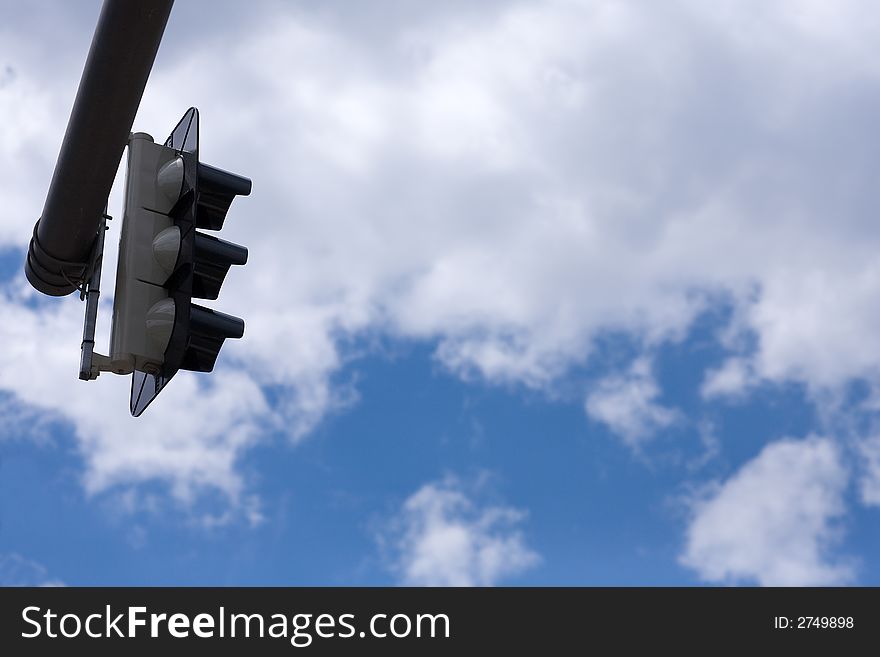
(165, 262)
(195, 264)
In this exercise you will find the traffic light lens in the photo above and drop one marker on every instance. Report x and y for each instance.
(166, 248)
(160, 322)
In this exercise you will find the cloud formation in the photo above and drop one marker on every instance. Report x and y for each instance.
(774, 521)
(627, 404)
(442, 537)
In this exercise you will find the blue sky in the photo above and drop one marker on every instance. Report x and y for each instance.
(570, 292)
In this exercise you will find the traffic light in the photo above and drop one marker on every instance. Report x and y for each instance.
(164, 262)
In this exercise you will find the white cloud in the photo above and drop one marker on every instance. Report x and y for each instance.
(441, 537)
(510, 194)
(814, 323)
(15, 570)
(730, 379)
(627, 404)
(774, 521)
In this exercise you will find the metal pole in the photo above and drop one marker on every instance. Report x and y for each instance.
(120, 58)
(92, 294)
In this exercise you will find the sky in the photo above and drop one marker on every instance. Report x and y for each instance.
(570, 292)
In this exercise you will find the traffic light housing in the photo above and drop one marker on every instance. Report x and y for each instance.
(165, 262)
